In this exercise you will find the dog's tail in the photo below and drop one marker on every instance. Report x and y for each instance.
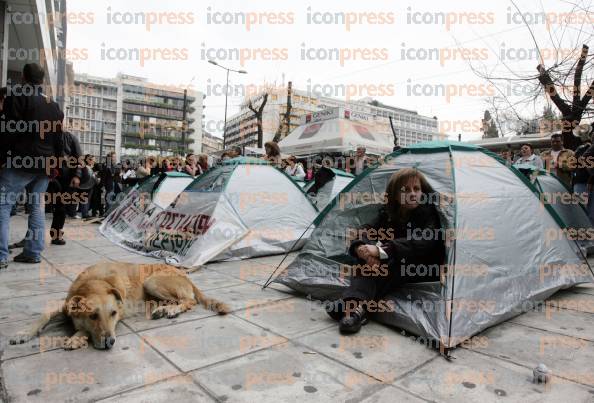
(219, 307)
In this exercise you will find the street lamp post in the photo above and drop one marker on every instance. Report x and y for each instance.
(226, 95)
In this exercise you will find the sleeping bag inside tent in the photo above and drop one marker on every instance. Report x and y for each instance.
(240, 209)
(499, 260)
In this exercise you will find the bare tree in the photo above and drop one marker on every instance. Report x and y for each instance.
(561, 83)
(572, 110)
(256, 105)
(285, 125)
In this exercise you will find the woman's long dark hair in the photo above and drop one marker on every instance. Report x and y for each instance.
(395, 187)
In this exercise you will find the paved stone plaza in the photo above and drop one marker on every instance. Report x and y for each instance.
(274, 347)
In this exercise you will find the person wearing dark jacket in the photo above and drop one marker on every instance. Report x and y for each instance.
(31, 123)
(68, 180)
(404, 245)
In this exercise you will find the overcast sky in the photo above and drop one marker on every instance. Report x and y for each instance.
(388, 50)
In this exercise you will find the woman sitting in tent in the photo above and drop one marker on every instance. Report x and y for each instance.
(400, 247)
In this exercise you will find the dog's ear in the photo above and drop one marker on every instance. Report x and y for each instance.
(117, 294)
(119, 285)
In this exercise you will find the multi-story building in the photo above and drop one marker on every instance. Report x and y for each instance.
(211, 144)
(134, 117)
(241, 128)
(91, 113)
(34, 32)
(152, 118)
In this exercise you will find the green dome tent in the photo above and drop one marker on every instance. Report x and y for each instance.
(568, 206)
(242, 208)
(501, 260)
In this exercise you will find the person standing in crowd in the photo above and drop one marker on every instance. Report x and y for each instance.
(68, 180)
(507, 156)
(294, 169)
(191, 167)
(361, 162)
(144, 169)
(527, 157)
(27, 103)
(129, 175)
(107, 178)
(203, 162)
(404, 213)
(558, 160)
(235, 152)
(166, 166)
(97, 194)
(581, 177)
(87, 185)
(273, 153)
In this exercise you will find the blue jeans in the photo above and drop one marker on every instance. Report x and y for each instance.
(12, 183)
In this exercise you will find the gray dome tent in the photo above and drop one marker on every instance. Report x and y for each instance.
(498, 265)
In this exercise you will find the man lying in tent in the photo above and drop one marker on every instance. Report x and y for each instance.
(408, 235)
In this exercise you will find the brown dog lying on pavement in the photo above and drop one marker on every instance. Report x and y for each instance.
(107, 292)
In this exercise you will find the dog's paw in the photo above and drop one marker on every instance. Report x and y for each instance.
(171, 311)
(74, 343)
(158, 313)
(21, 338)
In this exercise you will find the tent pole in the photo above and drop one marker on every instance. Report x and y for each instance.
(267, 283)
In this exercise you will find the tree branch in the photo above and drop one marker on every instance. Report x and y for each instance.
(587, 97)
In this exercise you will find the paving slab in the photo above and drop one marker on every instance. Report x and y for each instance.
(389, 394)
(86, 374)
(564, 321)
(24, 308)
(176, 389)
(110, 250)
(289, 317)
(568, 357)
(247, 295)
(377, 350)
(286, 373)
(571, 300)
(209, 280)
(255, 270)
(52, 337)
(32, 281)
(74, 255)
(474, 377)
(195, 344)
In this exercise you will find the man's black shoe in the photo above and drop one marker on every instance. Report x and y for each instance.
(3, 265)
(352, 322)
(58, 242)
(19, 244)
(21, 258)
(335, 309)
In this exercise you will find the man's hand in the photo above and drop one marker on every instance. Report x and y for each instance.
(75, 182)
